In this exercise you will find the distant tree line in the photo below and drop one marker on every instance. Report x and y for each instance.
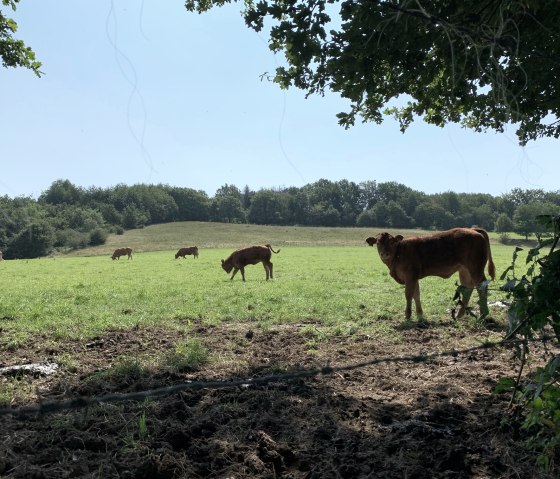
(66, 216)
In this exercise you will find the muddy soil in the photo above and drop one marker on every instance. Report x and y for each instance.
(424, 419)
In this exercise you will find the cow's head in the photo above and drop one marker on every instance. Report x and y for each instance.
(227, 266)
(386, 245)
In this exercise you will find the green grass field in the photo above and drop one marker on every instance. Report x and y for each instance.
(327, 277)
(172, 236)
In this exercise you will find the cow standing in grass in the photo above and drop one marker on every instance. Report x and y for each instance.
(121, 252)
(250, 255)
(183, 252)
(466, 250)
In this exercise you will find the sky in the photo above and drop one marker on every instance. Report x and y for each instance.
(143, 91)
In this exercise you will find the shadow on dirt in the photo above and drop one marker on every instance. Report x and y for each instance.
(434, 419)
(488, 324)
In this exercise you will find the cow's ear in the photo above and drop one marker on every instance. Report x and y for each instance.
(399, 237)
(371, 241)
(222, 261)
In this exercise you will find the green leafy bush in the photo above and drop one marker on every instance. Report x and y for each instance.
(70, 238)
(535, 313)
(97, 237)
(504, 238)
(36, 240)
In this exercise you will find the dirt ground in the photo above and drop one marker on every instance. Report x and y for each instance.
(425, 419)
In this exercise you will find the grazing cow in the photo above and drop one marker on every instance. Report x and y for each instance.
(250, 255)
(183, 252)
(466, 250)
(121, 252)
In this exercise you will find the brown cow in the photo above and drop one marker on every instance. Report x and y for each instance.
(121, 252)
(460, 249)
(250, 255)
(183, 252)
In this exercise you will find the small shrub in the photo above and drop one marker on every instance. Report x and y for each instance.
(97, 237)
(71, 238)
(504, 238)
(119, 230)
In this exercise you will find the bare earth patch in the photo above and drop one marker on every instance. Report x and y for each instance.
(433, 419)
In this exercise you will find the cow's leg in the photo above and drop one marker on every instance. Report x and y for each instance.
(419, 312)
(410, 291)
(466, 281)
(478, 281)
(235, 270)
(268, 268)
(242, 269)
(482, 289)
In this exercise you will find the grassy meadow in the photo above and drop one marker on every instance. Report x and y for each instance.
(326, 277)
(171, 236)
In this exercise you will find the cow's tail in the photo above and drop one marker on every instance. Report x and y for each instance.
(270, 248)
(491, 267)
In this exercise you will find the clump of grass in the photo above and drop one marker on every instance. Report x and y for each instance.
(309, 331)
(6, 396)
(142, 427)
(311, 347)
(125, 370)
(68, 362)
(345, 329)
(187, 356)
(14, 340)
(134, 437)
(15, 390)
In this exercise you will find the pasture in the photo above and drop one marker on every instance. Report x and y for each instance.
(345, 287)
(122, 326)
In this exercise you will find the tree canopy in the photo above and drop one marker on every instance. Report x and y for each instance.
(67, 216)
(482, 64)
(13, 52)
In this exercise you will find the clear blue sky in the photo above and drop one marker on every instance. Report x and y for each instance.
(146, 92)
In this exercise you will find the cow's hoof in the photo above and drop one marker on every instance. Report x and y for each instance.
(422, 323)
